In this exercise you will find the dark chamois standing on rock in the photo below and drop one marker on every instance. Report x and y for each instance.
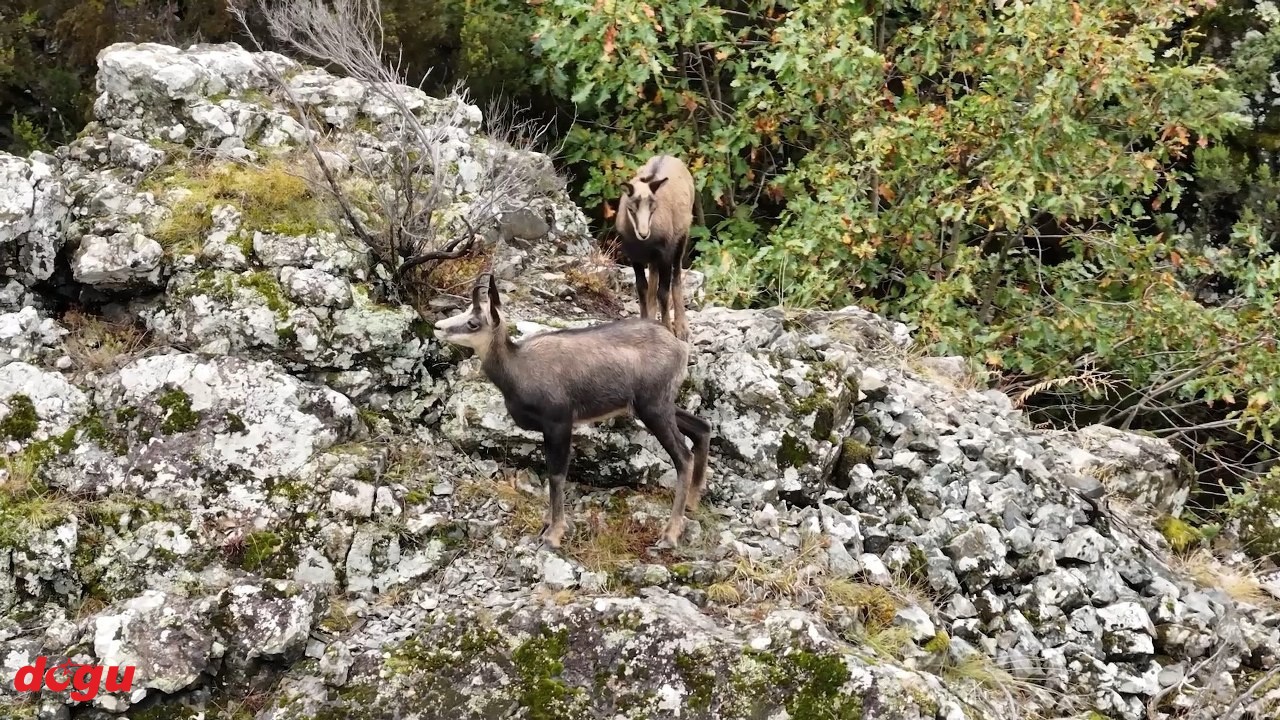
(655, 212)
(557, 379)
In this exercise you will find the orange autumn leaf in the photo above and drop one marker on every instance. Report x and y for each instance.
(609, 36)
(1076, 14)
(609, 212)
(886, 192)
(1175, 258)
(648, 11)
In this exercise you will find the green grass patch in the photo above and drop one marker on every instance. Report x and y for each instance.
(271, 198)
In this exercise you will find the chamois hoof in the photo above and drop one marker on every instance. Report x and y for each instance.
(664, 544)
(551, 537)
(691, 502)
(670, 537)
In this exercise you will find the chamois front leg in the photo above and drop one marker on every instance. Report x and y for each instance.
(651, 294)
(557, 439)
(642, 290)
(664, 294)
(677, 292)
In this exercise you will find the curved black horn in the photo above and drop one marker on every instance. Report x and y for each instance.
(476, 287)
(494, 302)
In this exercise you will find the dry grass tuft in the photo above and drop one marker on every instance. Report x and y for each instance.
(606, 253)
(588, 280)
(527, 509)
(1239, 582)
(455, 277)
(611, 537)
(19, 479)
(96, 344)
(1012, 693)
(872, 605)
(26, 505)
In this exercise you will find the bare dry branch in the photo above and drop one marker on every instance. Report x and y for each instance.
(430, 186)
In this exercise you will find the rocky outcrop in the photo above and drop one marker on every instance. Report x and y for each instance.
(280, 496)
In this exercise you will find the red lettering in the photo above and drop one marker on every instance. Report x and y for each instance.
(86, 682)
(51, 680)
(28, 677)
(122, 683)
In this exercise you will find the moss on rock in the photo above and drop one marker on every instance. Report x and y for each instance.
(21, 422)
(265, 284)
(1180, 535)
(543, 693)
(271, 199)
(792, 452)
(852, 452)
(179, 417)
(807, 684)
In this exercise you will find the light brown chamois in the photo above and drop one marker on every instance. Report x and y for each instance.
(557, 379)
(655, 212)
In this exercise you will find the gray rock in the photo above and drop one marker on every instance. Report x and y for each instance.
(315, 288)
(121, 260)
(557, 574)
(1084, 545)
(917, 621)
(979, 554)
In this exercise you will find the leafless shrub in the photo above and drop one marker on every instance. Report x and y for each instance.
(426, 189)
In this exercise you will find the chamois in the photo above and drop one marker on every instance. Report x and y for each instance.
(655, 211)
(557, 379)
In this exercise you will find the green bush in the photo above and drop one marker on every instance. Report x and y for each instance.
(1013, 182)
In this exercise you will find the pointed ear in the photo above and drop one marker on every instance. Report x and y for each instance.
(494, 302)
(653, 186)
(627, 190)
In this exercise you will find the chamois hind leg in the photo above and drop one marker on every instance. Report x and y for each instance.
(677, 291)
(557, 439)
(699, 431)
(664, 293)
(643, 290)
(662, 423)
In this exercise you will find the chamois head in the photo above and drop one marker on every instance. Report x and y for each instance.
(478, 325)
(641, 200)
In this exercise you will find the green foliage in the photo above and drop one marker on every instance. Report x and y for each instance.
(21, 421)
(810, 685)
(543, 693)
(1256, 507)
(259, 548)
(966, 168)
